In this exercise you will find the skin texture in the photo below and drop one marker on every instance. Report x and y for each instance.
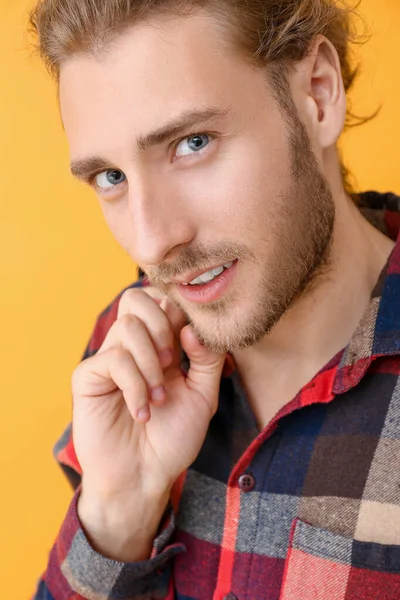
(265, 189)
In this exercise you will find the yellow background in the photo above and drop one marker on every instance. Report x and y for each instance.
(60, 266)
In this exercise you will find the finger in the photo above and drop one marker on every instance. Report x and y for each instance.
(175, 314)
(142, 304)
(130, 333)
(102, 374)
(205, 370)
(177, 320)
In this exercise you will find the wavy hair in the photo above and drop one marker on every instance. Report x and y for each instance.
(270, 33)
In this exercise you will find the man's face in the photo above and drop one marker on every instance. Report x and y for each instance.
(241, 189)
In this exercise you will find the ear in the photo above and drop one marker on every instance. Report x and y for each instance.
(322, 93)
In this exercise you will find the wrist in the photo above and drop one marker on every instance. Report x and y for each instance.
(121, 527)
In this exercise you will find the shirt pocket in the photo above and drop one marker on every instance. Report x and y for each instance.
(322, 565)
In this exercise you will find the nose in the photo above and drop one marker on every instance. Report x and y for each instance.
(162, 225)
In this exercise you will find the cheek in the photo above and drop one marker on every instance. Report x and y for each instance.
(236, 189)
(254, 193)
(119, 224)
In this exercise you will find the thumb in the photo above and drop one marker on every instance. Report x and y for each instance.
(205, 370)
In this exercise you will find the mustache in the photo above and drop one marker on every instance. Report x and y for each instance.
(198, 258)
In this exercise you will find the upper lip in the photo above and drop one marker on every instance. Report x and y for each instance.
(190, 276)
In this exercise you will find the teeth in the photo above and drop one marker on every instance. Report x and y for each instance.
(209, 275)
(205, 277)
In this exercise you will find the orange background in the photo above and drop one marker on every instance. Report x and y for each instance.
(60, 266)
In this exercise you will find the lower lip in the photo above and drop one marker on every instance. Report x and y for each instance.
(211, 291)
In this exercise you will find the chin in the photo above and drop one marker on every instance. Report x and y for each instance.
(224, 332)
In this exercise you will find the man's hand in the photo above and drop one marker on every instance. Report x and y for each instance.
(138, 421)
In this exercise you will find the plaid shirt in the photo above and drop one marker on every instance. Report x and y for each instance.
(307, 509)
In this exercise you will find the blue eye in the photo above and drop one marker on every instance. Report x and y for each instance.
(194, 144)
(109, 179)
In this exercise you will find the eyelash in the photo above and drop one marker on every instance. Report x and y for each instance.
(92, 178)
(211, 137)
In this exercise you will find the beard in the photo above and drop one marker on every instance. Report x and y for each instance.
(300, 239)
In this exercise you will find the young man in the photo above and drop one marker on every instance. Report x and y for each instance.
(236, 423)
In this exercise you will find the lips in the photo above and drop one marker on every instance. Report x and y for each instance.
(190, 277)
(209, 275)
(211, 290)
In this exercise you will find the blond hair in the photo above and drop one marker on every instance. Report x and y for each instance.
(270, 33)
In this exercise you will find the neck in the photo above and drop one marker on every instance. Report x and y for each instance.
(322, 321)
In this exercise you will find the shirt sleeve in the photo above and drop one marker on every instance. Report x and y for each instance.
(75, 571)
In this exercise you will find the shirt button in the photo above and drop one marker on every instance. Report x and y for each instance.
(246, 482)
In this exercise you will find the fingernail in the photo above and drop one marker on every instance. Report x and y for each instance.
(165, 357)
(144, 413)
(158, 393)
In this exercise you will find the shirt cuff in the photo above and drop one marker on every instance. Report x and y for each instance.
(93, 576)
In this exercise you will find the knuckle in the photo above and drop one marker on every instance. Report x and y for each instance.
(129, 294)
(118, 355)
(79, 376)
(128, 321)
(128, 298)
(75, 377)
(80, 368)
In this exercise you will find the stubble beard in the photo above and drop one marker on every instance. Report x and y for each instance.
(299, 258)
(299, 254)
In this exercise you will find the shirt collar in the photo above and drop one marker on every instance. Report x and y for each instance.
(378, 333)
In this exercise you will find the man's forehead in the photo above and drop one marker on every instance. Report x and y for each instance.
(147, 73)
(179, 37)
(144, 93)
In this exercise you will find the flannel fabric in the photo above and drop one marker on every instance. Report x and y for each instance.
(307, 509)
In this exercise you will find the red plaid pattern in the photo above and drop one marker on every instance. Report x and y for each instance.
(321, 520)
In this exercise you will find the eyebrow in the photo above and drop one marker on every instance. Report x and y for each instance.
(83, 168)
